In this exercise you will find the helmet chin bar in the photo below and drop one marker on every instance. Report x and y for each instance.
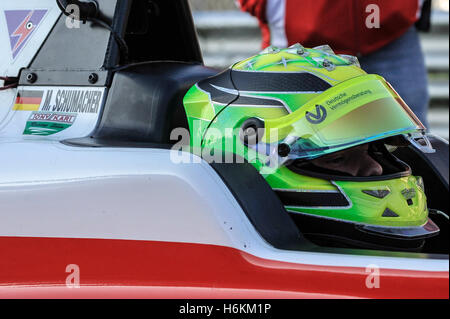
(430, 229)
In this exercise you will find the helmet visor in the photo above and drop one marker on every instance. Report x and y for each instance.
(356, 112)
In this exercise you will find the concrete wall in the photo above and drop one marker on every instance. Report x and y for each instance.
(204, 5)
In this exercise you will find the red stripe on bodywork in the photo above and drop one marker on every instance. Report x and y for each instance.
(206, 271)
(124, 292)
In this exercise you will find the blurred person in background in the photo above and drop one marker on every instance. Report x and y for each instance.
(383, 34)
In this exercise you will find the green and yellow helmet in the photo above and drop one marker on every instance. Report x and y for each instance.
(283, 108)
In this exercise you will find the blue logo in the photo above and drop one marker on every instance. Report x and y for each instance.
(318, 117)
(21, 25)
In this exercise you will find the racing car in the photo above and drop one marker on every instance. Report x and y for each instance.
(92, 204)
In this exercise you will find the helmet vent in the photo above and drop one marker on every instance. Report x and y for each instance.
(259, 82)
(377, 193)
(390, 213)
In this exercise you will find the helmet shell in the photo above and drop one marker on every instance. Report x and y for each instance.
(269, 85)
(272, 85)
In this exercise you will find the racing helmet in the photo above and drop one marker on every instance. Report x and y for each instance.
(284, 108)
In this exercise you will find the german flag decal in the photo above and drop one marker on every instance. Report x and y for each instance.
(28, 100)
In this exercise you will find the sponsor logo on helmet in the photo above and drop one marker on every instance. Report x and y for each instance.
(318, 117)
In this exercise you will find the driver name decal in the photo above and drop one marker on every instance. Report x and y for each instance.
(62, 112)
(76, 101)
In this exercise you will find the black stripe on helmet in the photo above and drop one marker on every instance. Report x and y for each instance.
(226, 96)
(312, 199)
(278, 82)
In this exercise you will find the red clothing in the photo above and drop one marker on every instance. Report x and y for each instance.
(339, 23)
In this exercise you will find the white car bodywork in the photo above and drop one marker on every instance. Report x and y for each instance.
(52, 190)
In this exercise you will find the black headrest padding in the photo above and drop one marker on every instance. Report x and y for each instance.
(145, 101)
